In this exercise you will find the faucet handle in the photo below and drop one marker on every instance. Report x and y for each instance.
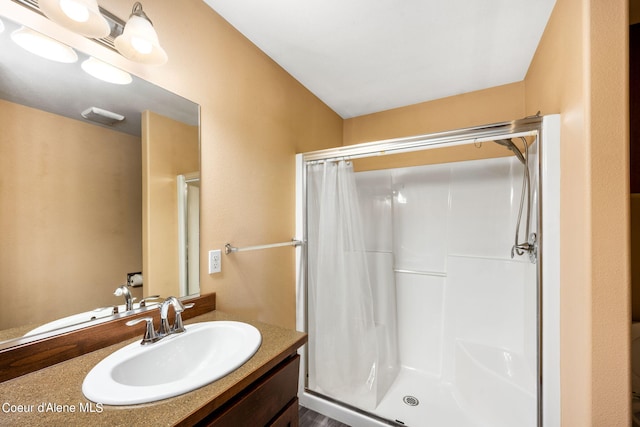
(143, 301)
(150, 334)
(178, 326)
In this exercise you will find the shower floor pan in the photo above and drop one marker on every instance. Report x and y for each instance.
(415, 399)
(492, 388)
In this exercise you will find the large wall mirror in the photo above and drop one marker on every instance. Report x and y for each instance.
(87, 206)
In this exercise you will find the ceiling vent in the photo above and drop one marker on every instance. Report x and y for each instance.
(101, 116)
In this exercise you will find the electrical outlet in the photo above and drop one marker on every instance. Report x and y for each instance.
(215, 261)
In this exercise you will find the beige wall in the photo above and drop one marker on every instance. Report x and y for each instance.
(503, 103)
(255, 118)
(556, 83)
(70, 217)
(169, 148)
(580, 71)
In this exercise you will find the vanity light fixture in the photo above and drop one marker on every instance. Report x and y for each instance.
(106, 72)
(80, 16)
(43, 46)
(139, 41)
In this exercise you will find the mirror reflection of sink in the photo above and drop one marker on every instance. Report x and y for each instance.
(175, 365)
(78, 318)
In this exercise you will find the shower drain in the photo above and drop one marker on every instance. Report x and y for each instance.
(411, 400)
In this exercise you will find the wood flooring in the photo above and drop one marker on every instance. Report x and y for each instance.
(309, 418)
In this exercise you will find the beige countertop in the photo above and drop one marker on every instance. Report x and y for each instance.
(53, 396)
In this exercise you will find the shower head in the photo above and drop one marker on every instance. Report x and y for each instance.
(511, 146)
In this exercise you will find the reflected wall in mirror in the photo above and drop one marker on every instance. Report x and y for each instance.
(84, 204)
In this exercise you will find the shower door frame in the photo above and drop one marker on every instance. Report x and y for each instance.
(547, 131)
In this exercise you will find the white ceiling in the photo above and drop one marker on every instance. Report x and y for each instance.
(365, 56)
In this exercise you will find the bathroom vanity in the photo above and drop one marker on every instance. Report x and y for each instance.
(263, 391)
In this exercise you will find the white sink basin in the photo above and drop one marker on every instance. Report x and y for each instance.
(76, 319)
(172, 366)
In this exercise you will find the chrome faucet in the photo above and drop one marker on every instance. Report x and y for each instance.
(150, 335)
(128, 299)
(178, 307)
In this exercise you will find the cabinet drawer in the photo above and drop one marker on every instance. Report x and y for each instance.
(261, 402)
(288, 417)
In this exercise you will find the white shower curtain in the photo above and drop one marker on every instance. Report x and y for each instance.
(346, 353)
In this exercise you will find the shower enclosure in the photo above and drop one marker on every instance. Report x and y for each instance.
(421, 281)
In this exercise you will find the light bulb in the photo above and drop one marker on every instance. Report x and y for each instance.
(74, 10)
(43, 46)
(80, 16)
(141, 45)
(106, 72)
(139, 41)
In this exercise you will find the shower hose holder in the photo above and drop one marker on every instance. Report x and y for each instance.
(530, 247)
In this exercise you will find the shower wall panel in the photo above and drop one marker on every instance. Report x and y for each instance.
(420, 321)
(450, 228)
(375, 198)
(420, 217)
(486, 304)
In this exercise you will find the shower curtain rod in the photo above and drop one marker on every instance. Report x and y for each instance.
(228, 249)
(526, 127)
(359, 153)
